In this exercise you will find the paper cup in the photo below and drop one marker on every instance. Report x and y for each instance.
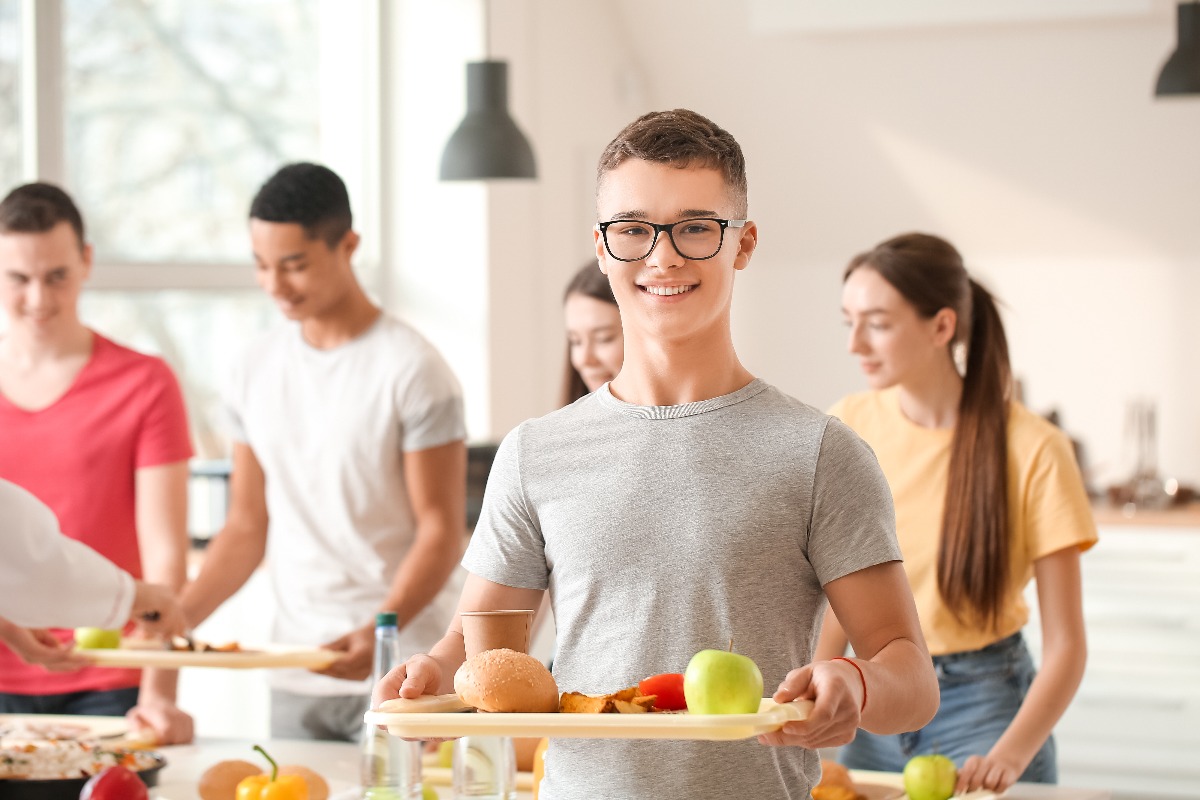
(492, 630)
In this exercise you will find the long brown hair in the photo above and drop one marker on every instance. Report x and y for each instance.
(973, 556)
(591, 282)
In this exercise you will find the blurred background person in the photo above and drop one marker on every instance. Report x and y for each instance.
(595, 344)
(988, 495)
(99, 433)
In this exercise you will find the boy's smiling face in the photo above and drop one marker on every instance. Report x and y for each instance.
(665, 295)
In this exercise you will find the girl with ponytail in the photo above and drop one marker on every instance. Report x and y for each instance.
(988, 495)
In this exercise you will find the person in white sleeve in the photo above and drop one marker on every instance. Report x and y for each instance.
(52, 580)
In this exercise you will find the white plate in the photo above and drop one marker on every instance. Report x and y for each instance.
(421, 723)
(37, 727)
(250, 657)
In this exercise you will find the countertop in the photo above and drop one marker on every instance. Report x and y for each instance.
(338, 763)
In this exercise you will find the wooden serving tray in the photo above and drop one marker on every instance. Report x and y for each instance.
(251, 657)
(444, 716)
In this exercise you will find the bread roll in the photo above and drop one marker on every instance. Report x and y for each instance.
(507, 681)
(219, 782)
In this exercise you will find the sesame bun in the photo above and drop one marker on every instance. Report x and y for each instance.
(505, 680)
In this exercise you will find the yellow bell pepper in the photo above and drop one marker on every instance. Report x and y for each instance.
(274, 787)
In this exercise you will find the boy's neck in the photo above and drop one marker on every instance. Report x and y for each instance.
(26, 351)
(341, 324)
(670, 374)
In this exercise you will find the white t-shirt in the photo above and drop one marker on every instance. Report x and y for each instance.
(330, 428)
(51, 580)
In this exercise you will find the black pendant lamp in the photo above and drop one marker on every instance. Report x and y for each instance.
(1181, 73)
(487, 143)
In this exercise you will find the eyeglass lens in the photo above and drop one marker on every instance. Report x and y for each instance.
(632, 240)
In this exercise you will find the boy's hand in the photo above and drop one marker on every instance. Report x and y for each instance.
(834, 688)
(420, 675)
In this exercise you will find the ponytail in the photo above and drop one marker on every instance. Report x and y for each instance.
(973, 559)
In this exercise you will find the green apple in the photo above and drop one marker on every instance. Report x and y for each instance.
(721, 682)
(445, 754)
(97, 638)
(428, 792)
(930, 778)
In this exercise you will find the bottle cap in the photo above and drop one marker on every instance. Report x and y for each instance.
(385, 619)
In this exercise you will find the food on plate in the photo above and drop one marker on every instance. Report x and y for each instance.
(115, 783)
(273, 786)
(220, 781)
(55, 759)
(625, 701)
(97, 638)
(931, 777)
(722, 682)
(668, 688)
(506, 681)
(26, 730)
(318, 787)
(836, 783)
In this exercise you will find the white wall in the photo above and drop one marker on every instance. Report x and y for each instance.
(1037, 148)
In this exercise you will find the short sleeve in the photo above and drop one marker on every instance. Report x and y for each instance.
(853, 522)
(1056, 508)
(507, 546)
(163, 437)
(430, 406)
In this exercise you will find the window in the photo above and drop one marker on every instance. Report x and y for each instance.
(10, 92)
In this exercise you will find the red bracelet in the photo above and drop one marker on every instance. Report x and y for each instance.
(861, 677)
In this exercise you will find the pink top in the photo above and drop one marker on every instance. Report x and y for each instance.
(78, 456)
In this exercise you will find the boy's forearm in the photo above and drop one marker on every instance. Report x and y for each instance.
(902, 688)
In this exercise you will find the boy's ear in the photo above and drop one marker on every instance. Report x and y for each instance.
(349, 243)
(598, 240)
(747, 240)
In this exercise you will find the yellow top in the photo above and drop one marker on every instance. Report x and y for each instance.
(1048, 506)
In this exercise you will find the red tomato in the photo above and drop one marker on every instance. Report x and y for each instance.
(669, 689)
(115, 783)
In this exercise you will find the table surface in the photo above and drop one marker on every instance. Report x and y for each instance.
(338, 763)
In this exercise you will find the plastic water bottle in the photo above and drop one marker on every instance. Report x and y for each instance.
(390, 766)
(485, 768)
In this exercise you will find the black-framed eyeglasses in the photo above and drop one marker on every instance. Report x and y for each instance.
(696, 239)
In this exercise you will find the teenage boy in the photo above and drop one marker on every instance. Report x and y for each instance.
(349, 450)
(97, 432)
(687, 503)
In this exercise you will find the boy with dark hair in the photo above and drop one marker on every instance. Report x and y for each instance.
(687, 503)
(97, 432)
(349, 463)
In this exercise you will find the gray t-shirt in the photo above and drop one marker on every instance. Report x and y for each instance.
(662, 531)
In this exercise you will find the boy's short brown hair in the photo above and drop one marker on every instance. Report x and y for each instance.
(38, 208)
(681, 138)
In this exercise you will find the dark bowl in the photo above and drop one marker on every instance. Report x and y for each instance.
(65, 788)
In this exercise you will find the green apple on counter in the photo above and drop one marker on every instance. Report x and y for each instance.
(97, 638)
(722, 682)
(445, 754)
(930, 778)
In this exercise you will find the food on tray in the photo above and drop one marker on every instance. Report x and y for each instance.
(181, 644)
(97, 638)
(507, 681)
(722, 682)
(835, 784)
(625, 701)
(930, 777)
(219, 782)
(318, 787)
(56, 759)
(668, 688)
